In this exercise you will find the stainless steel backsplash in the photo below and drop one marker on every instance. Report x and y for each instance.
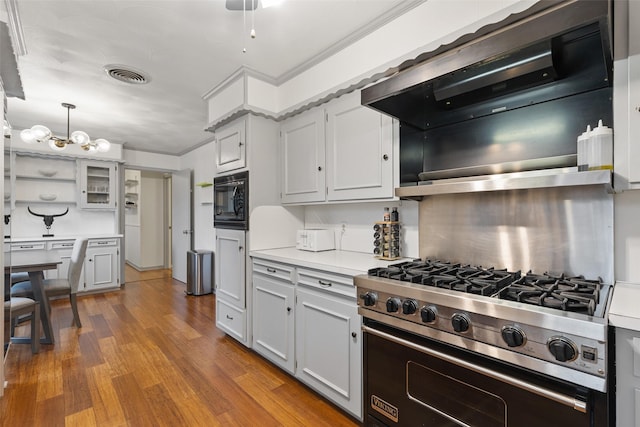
(559, 230)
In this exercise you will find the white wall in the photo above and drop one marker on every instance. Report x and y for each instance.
(151, 219)
(150, 161)
(422, 29)
(202, 162)
(359, 219)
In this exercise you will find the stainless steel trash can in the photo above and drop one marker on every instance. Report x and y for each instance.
(199, 272)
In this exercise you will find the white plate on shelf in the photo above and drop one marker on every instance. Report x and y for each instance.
(47, 172)
(48, 197)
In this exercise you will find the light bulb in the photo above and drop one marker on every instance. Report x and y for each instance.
(27, 136)
(253, 33)
(79, 137)
(41, 133)
(57, 145)
(102, 145)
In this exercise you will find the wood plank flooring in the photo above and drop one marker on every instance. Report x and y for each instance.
(147, 355)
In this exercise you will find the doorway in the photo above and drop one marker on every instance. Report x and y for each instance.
(147, 219)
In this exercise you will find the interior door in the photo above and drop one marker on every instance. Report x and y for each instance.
(181, 222)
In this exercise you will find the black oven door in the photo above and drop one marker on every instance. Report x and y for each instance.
(414, 381)
(230, 195)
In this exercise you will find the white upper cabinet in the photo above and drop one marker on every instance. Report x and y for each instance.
(359, 151)
(303, 158)
(97, 185)
(338, 152)
(231, 146)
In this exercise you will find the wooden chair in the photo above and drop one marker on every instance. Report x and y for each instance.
(18, 307)
(61, 287)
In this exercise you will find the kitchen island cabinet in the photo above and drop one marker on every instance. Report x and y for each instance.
(320, 149)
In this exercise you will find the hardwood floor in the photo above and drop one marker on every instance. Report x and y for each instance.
(147, 355)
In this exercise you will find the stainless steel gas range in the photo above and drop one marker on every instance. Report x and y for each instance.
(465, 345)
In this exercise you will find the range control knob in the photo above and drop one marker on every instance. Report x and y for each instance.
(393, 305)
(460, 322)
(409, 306)
(563, 349)
(370, 298)
(428, 314)
(513, 336)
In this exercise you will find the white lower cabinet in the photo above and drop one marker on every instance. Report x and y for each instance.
(101, 265)
(273, 313)
(329, 342)
(64, 249)
(317, 339)
(101, 262)
(231, 304)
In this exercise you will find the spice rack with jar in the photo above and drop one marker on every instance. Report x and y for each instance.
(386, 240)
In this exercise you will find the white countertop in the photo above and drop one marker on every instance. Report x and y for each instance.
(60, 237)
(340, 262)
(624, 311)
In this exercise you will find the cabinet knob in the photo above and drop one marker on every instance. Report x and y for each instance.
(288, 309)
(319, 168)
(353, 334)
(385, 157)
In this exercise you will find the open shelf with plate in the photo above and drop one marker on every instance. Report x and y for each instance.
(43, 180)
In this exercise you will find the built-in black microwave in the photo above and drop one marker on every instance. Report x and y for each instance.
(231, 201)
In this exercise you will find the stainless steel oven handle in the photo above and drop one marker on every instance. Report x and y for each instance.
(572, 402)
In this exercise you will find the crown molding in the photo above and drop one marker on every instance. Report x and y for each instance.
(15, 27)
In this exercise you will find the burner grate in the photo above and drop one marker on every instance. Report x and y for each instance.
(546, 290)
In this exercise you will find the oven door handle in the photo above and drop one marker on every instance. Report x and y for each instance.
(572, 402)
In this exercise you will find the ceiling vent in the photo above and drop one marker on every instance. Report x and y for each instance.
(127, 74)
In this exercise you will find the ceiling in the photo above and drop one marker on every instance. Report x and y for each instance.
(186, 47)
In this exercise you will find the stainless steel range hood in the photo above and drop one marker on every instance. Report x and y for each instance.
(512, 57)
(502, 102)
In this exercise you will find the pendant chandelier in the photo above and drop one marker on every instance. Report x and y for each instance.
(39, 133)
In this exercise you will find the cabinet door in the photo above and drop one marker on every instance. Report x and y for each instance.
(63, 249)
(97, 185)
(634, 92)
(273, 320)
(231, 146)
(328, 347)
(303, 158)
(101, 265)
(359, 151)
(230, 266)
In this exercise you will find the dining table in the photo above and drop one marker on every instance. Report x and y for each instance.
(34, 262)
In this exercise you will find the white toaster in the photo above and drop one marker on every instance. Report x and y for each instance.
(315, 240)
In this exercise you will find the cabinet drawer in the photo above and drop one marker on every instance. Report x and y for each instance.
(231, 319)
(328, 282)
(34, 246)
(101, 243)
(67, 244)
(281, 271)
